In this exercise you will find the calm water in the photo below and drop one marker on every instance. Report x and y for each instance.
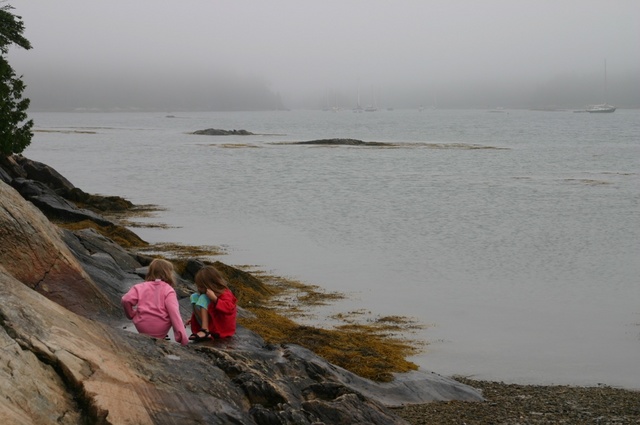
(522, 257)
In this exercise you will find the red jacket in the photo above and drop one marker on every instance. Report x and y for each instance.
(222, 316)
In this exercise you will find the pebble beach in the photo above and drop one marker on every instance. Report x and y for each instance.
(531, 404)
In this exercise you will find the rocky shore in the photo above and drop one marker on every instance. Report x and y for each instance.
(67, 356)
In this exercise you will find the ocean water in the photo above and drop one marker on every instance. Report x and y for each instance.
(514, 236)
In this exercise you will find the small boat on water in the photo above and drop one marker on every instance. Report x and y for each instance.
(602, 108)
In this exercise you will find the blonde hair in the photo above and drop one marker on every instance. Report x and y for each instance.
(209, 277)
(161, 269)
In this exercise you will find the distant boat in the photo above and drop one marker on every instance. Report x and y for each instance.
(372, 106)
(603, 107)
(326, 104)
(358, 108)
(335, 107)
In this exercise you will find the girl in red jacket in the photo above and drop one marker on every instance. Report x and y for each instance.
(214, 307)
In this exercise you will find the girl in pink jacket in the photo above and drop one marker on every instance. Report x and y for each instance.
(153, 305)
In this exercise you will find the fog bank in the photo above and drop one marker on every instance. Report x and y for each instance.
(247, 54)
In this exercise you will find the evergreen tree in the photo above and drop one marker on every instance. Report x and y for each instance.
(15, 129)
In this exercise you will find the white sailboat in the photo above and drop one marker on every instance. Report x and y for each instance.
(358, 107)
(372, 107)
(602, 107)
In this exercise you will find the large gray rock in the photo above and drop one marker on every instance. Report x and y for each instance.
(10, 168)
(32, 390)
(110, 266)
(40, 172)
(54, 205)
(4, 176)
(51, 191)
(33, 252)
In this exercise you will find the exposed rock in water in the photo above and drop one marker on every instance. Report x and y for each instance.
(346, 142)
(67, 358)
(218, 132)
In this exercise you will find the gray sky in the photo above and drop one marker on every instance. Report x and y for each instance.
(302, 47)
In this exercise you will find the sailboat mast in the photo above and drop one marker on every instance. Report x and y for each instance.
(605, 81)
(604, 107)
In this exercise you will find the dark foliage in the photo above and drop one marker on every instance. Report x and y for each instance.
(15, 129)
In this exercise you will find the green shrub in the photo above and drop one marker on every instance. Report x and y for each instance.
(15, 129)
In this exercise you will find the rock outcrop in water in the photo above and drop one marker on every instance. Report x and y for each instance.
(218, 132)
(341, 142)
(67, 358)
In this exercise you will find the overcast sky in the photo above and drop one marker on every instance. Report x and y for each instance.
(299, 46)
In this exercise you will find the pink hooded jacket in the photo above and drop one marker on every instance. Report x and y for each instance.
(157, 310)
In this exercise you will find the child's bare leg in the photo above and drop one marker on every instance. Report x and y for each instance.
(204, 319)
